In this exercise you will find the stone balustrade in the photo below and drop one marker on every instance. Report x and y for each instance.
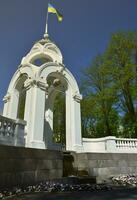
(12, 131)
(125, 144)
(110, 144)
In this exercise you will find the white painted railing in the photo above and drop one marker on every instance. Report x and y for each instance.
(12, 131)
(126, 144)
(110, 144)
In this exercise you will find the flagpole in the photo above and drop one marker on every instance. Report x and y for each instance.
(46, 27)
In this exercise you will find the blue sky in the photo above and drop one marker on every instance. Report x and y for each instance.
(84, 32)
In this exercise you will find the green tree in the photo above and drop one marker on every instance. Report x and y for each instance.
(59, 119)
(121, 57)
(99, 93)
(110, 88)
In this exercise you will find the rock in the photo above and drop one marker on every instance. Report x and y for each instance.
(1, 195)
(125, 180)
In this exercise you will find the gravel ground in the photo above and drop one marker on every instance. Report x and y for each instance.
(122, 187)
(51, 188)
(116, 194)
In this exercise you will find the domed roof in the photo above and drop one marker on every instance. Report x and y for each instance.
(45, 40)
(44, 49)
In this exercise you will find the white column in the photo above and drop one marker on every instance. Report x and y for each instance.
(73, 122)
(34, 114)
(69, 145)
(77, 123)
(11, 106)
(6, 101)
(48, 123)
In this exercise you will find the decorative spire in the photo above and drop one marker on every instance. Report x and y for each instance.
(53, 10)
(46, 27)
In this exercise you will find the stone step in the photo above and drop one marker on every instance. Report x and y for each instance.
(79, 180)
(73, 180)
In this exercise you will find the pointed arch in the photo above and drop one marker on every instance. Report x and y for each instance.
(73, 97)
(15, 89)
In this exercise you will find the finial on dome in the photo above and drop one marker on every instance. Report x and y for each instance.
(46, 36)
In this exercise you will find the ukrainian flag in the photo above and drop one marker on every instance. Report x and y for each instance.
(51, 9)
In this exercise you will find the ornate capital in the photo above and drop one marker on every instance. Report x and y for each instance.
(42, 85)
(60, 69)
(6, 98)
(77, 97)
(36, 83)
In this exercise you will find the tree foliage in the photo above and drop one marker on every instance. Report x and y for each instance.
(110, 89)
(59, 119)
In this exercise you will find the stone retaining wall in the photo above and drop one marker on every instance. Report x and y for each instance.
(26, 166)
(105, 165)
(22, 166)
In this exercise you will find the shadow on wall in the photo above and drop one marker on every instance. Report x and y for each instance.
(69, 169)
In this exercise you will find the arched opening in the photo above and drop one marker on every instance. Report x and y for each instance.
(59, 119)
(21, 92)
(40, 60)
(21, 104)
(56, 111)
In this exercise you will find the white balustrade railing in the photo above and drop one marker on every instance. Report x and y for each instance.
(110, 144)
(12, 131)
(126, 144)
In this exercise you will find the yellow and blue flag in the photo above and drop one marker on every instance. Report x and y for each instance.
(51, 9)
